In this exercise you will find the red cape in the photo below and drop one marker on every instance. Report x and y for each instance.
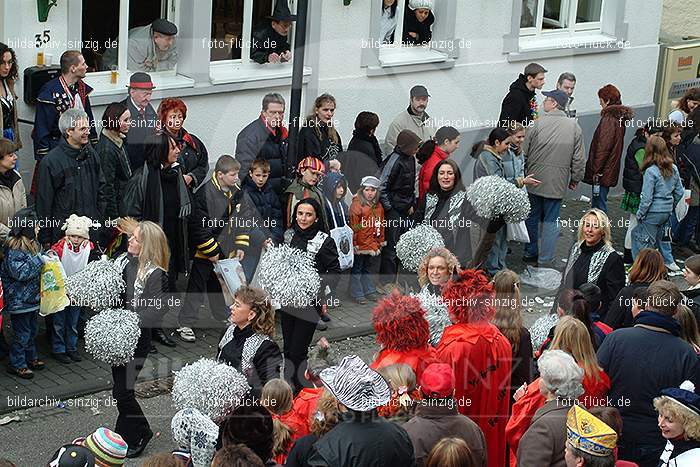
(304, 407)
(525, 407)
(481, 358)
(418, 359)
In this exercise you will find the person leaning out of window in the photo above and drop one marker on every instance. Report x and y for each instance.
(270, 42)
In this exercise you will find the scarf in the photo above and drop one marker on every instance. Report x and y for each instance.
(597, 260)
(280, 133)
(657, 320)
(435, 202)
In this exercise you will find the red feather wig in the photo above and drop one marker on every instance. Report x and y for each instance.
(400, 323)
(470, 297)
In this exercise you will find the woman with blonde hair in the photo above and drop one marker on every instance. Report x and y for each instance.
(509, 321)
(571, 336)
(661, 191)
(451, 452)
(326, 417)
(247, 344)
(594, 259)
(433, 273)
(145, 272)
(648, 267)
(679, 422)
(319, 137)
(404, 392)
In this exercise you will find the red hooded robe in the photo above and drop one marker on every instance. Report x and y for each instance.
(417, 359)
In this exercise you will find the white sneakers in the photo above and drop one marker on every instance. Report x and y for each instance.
(186, 334)
(673, 267)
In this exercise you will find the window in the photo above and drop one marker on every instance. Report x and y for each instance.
(228, 23)
(544, 16)
(102, 28)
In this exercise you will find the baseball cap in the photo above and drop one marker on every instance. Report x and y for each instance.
(558, 95)
(438, 380)
(419, 91)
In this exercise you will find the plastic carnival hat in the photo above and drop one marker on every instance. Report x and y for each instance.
(589, 434)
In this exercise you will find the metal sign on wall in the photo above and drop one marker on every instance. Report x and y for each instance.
(679, 71)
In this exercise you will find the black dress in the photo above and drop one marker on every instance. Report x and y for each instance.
(150, 305)
(256, 356)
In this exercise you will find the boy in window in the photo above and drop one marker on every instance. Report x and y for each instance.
(270, 44)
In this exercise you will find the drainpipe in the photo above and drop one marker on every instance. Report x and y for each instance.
(297, 83)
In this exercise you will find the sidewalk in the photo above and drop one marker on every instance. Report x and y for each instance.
(62, 382)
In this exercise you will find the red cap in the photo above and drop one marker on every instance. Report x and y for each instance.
(438, 380)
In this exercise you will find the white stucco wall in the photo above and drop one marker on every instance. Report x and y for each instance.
(680, 18)
(473, 89)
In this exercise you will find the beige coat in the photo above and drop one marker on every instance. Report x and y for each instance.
(555, 154)
(544, 442)
(11, 201)
(18, 141)
(405, 121)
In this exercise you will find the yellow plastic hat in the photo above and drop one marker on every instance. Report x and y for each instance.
(588, 433)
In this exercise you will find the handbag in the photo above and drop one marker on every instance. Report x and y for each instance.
(343, 240)
(682, 205)
(517, 232)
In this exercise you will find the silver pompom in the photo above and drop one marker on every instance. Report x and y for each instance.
(416, 243)
(212, 388)
(494, 196)
(111, 336)
(99, 286)
(289, 275)
(435, 313)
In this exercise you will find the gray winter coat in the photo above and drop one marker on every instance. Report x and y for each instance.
(555, 154)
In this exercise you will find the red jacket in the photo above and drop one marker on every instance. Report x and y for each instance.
(525, 407)
(58, 247)
(481, 358)
(426, 170)
(417, 359)
(367, 224)
(304, 407)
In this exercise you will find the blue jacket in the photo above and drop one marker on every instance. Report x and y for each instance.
(21, 273)
(339, 208)
(659, 194)
(513, 167)
(265, 205)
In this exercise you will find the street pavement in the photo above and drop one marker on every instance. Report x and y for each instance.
(49, 414)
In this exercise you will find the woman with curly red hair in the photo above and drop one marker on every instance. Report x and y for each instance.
(194, 157)
(403, 333)
(480, 357)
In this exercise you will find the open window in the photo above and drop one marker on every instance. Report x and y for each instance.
(539, 17)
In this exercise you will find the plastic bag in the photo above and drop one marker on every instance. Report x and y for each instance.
(542, 278)
(231, 277)
(518, 232)
(53, 296)
(682, 206)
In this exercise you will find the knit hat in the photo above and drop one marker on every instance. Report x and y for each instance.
(78, 225)
(370, 181)
(356, 385)
(196, 433)
(71, 455)
(408, 142)
(312, 163)
(684, 396)
(437, 381)
(416, 4)
(589, 434)
(400, 323)
(107, 446)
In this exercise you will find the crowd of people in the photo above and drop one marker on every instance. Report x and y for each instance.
(609, 373)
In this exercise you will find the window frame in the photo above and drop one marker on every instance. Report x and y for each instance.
(574, 27)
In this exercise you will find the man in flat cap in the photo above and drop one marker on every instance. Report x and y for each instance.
(270, 43)
(152, 47)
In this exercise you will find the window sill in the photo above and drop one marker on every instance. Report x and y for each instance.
(231, 73)
(394, 60)
(564, 45)
(104, 91)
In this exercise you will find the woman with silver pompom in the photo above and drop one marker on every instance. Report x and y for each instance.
(435, 270)
(145, 271)
(299, 324)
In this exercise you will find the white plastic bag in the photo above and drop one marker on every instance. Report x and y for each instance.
(541, 278)
(682, 206)
(231, 276)
(518, 232)
(343, 240)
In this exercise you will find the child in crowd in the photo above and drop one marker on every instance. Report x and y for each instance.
(21, 273)
(691, 274)
(418, 21)
(267, 224)
(367, 223)
(74, 251)
(304, 186)
(334, 166)
(277, 398)
(404, 393)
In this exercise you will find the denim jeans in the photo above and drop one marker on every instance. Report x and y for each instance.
(65, 330)
(23, 348)
(496, 260)
(684, 231)
(648, 232)
(360, 280)
(545, 210)
(601, 201)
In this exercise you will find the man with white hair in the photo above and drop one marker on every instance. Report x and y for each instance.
(561, 380)
(70, 178)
